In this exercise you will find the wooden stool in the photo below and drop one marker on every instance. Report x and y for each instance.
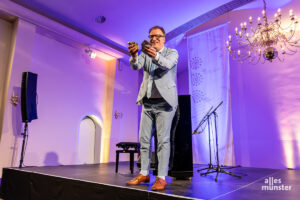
(127, 147)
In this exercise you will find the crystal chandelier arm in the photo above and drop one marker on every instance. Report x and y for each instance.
(241, 41)
(294, 43)
(290, 37)
(288, 27)
(291, 51)
(253, 31)
(281, 60)
(250, 43)
(254, 62)
(287, 46)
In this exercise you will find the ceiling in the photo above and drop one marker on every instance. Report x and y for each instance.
(126, 20)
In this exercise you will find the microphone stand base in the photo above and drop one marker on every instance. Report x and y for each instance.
(218, 170)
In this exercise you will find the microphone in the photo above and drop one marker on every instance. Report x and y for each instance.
(201, 122)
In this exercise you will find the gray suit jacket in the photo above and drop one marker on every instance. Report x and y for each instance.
(164, 75)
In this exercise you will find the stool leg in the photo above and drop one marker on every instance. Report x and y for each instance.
(117, 161)
(131, 162)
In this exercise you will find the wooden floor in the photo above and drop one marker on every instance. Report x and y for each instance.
(252, 185)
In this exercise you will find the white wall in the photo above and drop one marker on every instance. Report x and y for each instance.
(125, 127)
(70, 86)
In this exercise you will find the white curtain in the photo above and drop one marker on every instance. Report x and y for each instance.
(209, 83)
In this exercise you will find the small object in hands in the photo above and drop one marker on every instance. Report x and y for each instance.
(135, 44)
(145, 45)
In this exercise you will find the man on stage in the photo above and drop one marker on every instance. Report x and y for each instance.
(158, 95)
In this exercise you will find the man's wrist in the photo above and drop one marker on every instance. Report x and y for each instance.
(133, 59)
(134, 55)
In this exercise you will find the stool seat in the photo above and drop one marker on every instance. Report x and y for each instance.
(127, 147)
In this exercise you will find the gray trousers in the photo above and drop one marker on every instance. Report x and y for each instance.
(159, 113)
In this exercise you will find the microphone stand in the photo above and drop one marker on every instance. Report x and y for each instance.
(218, 169)
(204, 119)
(23, 144)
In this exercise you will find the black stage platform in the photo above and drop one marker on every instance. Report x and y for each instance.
(100, 181)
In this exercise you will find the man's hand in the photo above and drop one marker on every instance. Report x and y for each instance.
(133, 49)
(150, 52)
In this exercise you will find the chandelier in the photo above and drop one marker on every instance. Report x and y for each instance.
(270, 39)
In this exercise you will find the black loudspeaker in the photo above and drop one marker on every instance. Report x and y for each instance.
(181, 158)
(28, 96)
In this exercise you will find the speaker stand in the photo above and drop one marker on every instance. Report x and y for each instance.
(23, 144)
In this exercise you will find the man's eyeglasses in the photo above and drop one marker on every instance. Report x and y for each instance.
(157, 36)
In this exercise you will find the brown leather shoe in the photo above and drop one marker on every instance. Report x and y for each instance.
(139, 179)
(159, 184)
